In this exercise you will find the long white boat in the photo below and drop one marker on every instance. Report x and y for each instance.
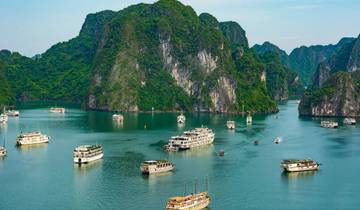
(329, 124)
(191, 139)
(190, 202)
(3, 118)
(35, 137)
(156, 166)
(299, 165)
(57, 110)
(87, 153)
(350, 121)
(12, 113)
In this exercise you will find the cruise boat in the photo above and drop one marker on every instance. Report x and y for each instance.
(12, 113)
(181, 119)
(2, 151)
(329, 124)
(35, 137)
(3, 118)
(156, 166)
(190, 202)
(191, 139)
(350, 121)
(230, 125)
(118, 118)
(57, 110)
(278, 140)
(248, 119)
(299, 165)
(87, 153)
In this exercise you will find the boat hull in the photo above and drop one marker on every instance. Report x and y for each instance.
(19, 143)
(301, 169)
(198, 206)
(84, 160)
(153, 170)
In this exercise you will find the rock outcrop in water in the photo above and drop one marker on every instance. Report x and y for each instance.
(336, 86)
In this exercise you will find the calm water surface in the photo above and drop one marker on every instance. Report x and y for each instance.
(247, 177)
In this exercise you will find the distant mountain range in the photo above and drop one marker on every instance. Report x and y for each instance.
(304, 60)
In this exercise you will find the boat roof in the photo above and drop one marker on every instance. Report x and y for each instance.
(297, 160)
(155, 161)
(87, 147)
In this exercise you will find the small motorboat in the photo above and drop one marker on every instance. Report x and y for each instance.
(278, 140)
(221, 152)
(256, 142)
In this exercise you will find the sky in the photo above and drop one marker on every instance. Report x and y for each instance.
(32, 26)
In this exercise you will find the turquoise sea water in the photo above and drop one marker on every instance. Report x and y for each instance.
(247, 177)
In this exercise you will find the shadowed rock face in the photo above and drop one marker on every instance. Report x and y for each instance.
(339, 96)
(336, 88)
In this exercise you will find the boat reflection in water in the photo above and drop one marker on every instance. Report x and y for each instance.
(84, 168)
(297, 175)
(207, 150)
(28, 147)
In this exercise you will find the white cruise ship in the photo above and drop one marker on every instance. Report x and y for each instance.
(156, 166)
(191, 139)
(87, 153)
(35, 137)
(57, 110)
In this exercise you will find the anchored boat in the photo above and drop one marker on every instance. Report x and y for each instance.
(190, 202)
(230, 125)
(278, 140)
(181, 119)
(12, 113)
(191, 139)
(249, 119)
(350, 121)
(87, 153)
(57, 110)
(35, 137)
(293, 165)
(3, 118)
(118, 118)
(329, 124)
(156, 166)
(3, 150)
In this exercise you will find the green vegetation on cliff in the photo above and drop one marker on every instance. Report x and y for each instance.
(160, 55)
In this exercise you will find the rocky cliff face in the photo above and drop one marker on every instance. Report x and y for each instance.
(346, 59)
(305, 60)
(162, 56)
(339, 96)
(336, 87)
(281, 81)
